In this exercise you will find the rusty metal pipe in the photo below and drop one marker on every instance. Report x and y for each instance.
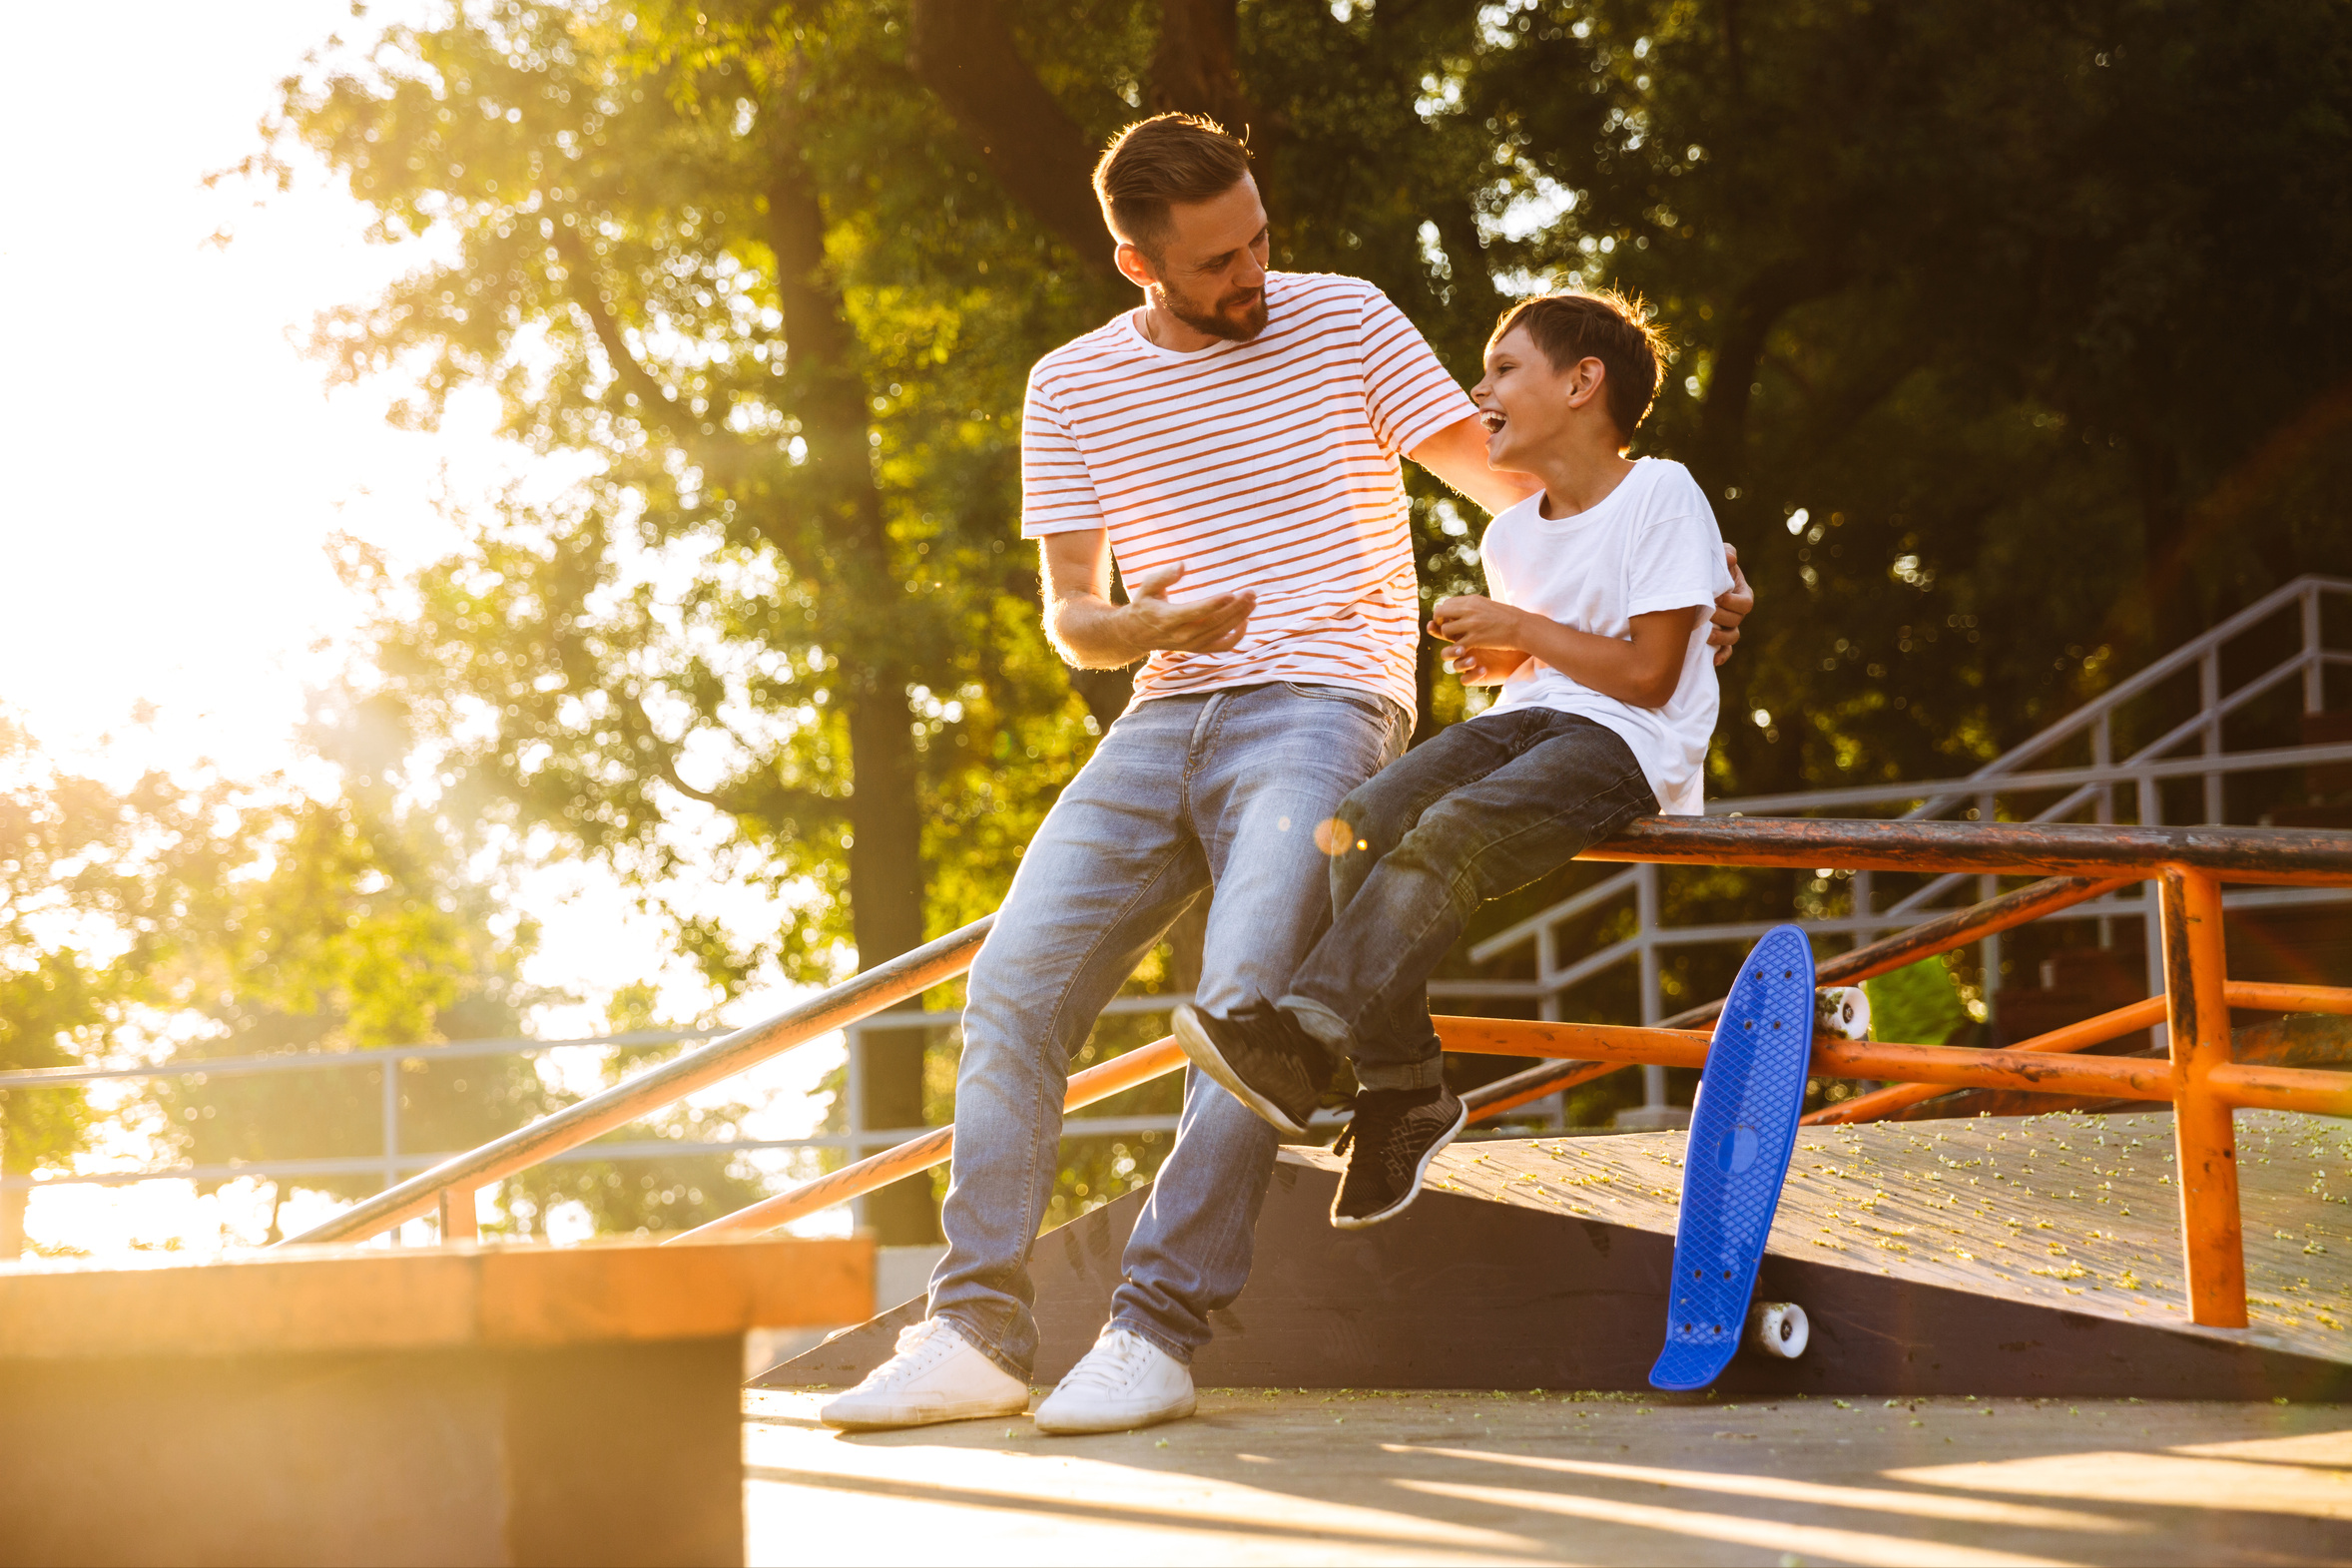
(2073, 1037)
(920, 1154)
(2266, 998)
(884, 986)
(1940, 935)
(2195, 989)
(2306, 856)
(1489, 1101)
(2314, 1091)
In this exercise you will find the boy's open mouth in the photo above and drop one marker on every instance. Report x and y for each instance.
(1494, 419)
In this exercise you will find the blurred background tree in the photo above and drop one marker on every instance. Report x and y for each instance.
(2011, 341)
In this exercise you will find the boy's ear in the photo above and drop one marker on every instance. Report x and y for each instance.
(1585, 380)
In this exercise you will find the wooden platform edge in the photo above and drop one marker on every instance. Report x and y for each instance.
(383, 1298)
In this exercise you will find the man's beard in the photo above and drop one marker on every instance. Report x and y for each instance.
(1215, 320)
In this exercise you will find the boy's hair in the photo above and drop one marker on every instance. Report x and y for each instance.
(1606, 327)
(1165, 159)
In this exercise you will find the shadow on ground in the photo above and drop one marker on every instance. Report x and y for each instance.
(1374, 1477)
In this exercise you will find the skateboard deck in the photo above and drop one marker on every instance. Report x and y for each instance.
(1742, 1131)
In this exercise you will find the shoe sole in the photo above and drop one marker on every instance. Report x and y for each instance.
(962, 1410)
(1420, 1173)
(1204, 1054)
(1174, 1412)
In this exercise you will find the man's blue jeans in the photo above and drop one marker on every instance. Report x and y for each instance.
(1477, 810)
(1224, 790)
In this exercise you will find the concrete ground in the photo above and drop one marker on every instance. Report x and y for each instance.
(1271, 1476)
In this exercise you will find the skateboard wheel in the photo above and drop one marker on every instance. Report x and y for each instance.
(1843, 1011)
(1779, 1330)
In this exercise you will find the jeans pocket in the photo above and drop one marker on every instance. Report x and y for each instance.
(1369, 703)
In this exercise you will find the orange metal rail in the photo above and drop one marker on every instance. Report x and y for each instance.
(2080, 861)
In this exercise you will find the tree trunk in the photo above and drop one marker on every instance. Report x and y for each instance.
(885, 812)
(963, 51)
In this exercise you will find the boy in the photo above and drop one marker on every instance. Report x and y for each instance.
(1595, 633)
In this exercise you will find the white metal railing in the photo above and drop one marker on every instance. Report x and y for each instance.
(1979, 794)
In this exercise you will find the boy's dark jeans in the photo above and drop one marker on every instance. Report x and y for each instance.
(1485, 806)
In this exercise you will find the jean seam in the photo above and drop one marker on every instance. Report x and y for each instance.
(1038, 1106)
(1457, 887)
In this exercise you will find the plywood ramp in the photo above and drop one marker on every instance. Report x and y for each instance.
(2003, 1256)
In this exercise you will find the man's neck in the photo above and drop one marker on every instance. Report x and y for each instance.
(1162, 329)
(1579, 479)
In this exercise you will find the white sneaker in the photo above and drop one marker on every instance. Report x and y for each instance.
(936, 1377)
(1124, 1383)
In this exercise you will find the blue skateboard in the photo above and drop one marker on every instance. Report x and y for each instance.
(1743, 1128)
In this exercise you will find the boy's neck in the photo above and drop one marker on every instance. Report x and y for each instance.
(1578, 478)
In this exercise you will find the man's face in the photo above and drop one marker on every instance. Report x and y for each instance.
(1210, 271)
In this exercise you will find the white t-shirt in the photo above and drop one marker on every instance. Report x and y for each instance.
(1652, 544)
(1268, 465)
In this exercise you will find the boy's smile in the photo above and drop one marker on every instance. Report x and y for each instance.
(1523, 402)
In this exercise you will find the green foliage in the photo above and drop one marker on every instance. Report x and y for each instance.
(2010, 342)
(93, 884)
(1917, 1004)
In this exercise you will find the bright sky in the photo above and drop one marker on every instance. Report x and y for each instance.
(175, 465)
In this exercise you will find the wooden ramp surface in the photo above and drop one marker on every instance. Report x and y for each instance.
(2071, 1211)
(2004, 1256)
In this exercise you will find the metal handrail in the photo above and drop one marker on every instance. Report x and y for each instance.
(2088, 860)
(885, 984)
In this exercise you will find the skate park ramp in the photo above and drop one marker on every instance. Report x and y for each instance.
(2003, 1255)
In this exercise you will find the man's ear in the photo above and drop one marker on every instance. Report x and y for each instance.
(1135, 264)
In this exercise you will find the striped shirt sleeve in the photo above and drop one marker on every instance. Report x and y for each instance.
(1057, 492)
(1408, 395)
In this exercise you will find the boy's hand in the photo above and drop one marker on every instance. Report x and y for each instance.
(1477, 621)
(1731, 609)
(1483, 666)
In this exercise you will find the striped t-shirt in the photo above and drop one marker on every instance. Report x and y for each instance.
(1269, 466)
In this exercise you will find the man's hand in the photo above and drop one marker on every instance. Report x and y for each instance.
(1197, 626)
(1091, 633)
(1731, 609)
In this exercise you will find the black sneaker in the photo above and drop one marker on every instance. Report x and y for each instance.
(1261, 1058)
(1390, 1144)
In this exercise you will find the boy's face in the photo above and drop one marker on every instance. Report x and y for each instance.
(1528, 407)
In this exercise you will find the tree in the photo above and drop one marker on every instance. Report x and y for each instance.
(773, 272)
(90, 879)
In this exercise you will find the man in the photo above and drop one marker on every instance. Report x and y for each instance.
(1233, 444)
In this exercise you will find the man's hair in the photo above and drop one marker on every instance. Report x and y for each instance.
(1166, 158)
(1606, 327)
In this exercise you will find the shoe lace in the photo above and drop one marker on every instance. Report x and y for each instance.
(920, 1348)
(1114, 1363)
(1376, 1127)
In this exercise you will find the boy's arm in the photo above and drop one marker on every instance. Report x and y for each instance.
(1642, 669)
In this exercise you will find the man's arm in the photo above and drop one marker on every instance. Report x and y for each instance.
(1092, 633)
(1642, 669)
(1457, 455)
